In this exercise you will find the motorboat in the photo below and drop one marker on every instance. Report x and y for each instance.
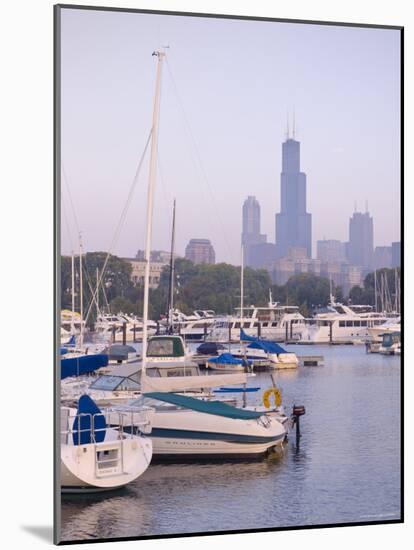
(227, 362)
(340, 323)
(390, 325)
(274, 322)
(265, 353)
(96, 453)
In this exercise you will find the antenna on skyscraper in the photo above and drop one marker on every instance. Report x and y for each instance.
(294, 124)
(287, 125)
(366, 206)
(355, 206)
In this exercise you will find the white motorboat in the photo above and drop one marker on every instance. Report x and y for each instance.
(263, 352)
(96, 456)
(341, 324)
(274, 322)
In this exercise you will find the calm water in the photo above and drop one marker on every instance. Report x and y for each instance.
(347, 468)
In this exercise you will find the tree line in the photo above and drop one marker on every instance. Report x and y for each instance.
(202, 286)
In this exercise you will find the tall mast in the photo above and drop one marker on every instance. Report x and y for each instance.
(171, 295)
(150, 196)
(241, 284)
(375, 291)
(81, 290)
(97, 293)
(72, 325)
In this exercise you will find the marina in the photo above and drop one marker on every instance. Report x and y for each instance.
(345, 468)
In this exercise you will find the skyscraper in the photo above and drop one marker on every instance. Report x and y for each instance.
(293, 223)
(251, 235)
(361, 240)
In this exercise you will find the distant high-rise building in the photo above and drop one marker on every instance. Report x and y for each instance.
(200, 251)
(293, 223)
(251, 235)
(331, 251)
(396, 254)
(382, 257)
(261, 255)
(361, 240)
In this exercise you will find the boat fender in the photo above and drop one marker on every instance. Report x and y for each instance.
(266, 397)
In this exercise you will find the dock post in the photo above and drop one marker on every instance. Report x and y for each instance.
(259, 329)
(124, 326)
(297, 412)
(113, 334)
(286, 332)
(291, 329)
(135, 334)
(330, 332)
(229, 332)
(205, 332)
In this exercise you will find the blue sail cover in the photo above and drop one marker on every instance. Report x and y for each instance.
(226, 359)
(71, 342)
(217, 408)
(75, 366)
(257, 343)
(88, 416)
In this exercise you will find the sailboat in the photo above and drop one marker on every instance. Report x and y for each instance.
(181, 424)
(96, 453)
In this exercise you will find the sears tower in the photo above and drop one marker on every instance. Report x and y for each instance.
(293, 223)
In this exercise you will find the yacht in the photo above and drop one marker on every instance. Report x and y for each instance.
(274, 322)
(340, 323)
(390, 325)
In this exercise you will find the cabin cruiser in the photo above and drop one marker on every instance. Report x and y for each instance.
(96, 453)
(202, 426)
(274, 322)
(340, 323)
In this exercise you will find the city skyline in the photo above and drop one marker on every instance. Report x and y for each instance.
(342, 83)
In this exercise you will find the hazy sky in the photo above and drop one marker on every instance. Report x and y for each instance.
(231, 83)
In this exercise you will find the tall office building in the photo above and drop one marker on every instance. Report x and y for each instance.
(293, 223)
(200, 251)
(251, 235)
(361, 240)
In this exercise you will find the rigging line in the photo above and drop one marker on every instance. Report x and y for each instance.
(203, 171)
(121, 220)
(65, 181)
(65, 217)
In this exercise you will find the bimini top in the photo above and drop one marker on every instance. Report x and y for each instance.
(217, 408)
(226, 359)
(257, 343)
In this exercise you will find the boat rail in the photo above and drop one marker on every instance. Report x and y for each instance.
(136, 422)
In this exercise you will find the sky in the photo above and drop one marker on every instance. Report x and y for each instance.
(228, 88)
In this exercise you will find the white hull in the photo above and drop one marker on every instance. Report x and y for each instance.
(169, 446)
(81, 468)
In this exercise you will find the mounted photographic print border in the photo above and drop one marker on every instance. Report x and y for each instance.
(224, 479)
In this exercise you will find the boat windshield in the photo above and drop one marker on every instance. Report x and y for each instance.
(165, 347)
(112, 383)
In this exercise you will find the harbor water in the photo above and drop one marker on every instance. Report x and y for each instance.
(346, 469)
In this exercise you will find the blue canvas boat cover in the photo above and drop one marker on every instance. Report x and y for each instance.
(75, 366)
(226, 359)
(257, 343)
(217, 408)
(209, 348)
(89, 425)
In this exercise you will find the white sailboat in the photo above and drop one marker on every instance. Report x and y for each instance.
(96, 453)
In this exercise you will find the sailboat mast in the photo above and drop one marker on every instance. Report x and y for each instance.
(81, 290)
(97, 293)
(150, 196)
(72, 325)
(375, 291)
(241, 284)
(171, 297)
